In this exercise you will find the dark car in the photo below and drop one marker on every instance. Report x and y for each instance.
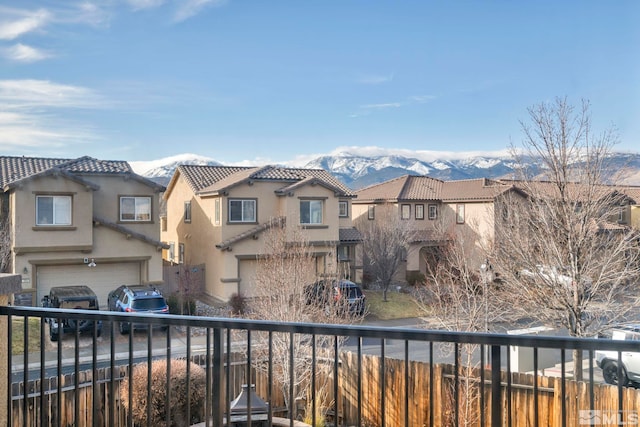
(136, 299)
(343, 295)
(76, 297)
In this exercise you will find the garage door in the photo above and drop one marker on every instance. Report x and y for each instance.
(247, 277)
(102, 279)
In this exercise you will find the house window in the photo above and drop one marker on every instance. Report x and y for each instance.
(181, 253)
(53, 210)
(433, 212)
(343, 253)
(135, 208)
(621, 214)
(405, 211)
(459, 214)
(371, 214)
(216, 212)
(187, 211)
(242, 210)
(419, 211)
(310, 211)
(343, 209)
(172, 251)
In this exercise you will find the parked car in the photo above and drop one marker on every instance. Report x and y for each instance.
(136, 299)
(343, 295)
(608, 360)
(557, 275)
(76, 297)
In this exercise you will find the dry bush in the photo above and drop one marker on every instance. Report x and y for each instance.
(159, 386)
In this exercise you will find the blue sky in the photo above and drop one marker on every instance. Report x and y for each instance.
(270, 81)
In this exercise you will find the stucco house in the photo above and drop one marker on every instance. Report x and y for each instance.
(216, 216)
(437, 210)
(79, 221)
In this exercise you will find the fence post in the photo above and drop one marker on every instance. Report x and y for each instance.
(9, 284)
(217, 401)
(496, 387)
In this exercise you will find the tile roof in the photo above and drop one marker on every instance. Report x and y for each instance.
(273, 222)
(13, 169)
(406, 187)
(481, 189)
(213, 179)
(418, 188)
(349, 235)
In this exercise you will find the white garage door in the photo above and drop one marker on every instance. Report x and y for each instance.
(102, 279)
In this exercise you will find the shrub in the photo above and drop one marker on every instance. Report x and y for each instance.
(181, 305)
(159, 386)
(238, 303)
(415, 278)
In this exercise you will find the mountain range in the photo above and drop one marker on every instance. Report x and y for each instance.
(358, 170)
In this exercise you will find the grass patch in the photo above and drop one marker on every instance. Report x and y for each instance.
(17, 341)
(398, 305)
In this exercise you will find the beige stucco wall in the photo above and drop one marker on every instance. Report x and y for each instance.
(34, 246)
(201, 235)
(23, 208)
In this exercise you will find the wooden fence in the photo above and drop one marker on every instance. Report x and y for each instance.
(429, 402)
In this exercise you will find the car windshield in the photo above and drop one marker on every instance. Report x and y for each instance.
(352, 292)
(148, 303)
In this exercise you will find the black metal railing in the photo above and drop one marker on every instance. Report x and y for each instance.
(99, 361)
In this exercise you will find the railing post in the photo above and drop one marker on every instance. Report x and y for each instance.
(217, 402)
(496, 387)
(9, 284)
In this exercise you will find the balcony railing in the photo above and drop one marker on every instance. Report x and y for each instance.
(350, 375)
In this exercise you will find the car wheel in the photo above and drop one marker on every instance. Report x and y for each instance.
(610, 374)
(124, 328)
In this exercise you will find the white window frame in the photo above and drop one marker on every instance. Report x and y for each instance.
(217, 212)
(371, 212)
(315, 211)
(432, 211)
(343, 209)
(61, 211)
(139, 213)
(405, 211)
(187, 211)
(248, 207)
(419, 211)
(343, 253)
(172, 251)
(180, 253)
(460, 214)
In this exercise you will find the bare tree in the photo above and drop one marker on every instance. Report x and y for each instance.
(562, 253)
(5, 236)
(286, 267)
(459, 294)
(385, 242)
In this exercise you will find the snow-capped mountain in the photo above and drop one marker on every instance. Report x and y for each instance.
(358, 170)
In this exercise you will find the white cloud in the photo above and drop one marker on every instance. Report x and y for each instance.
(17, 22)
(421, 99)
(372, 79)
(43, 93)
(28, 116)
(189, 8)
(381, 106)
(23, 53)
(145, 4)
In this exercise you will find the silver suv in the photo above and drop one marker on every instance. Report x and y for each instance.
(608, 360)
